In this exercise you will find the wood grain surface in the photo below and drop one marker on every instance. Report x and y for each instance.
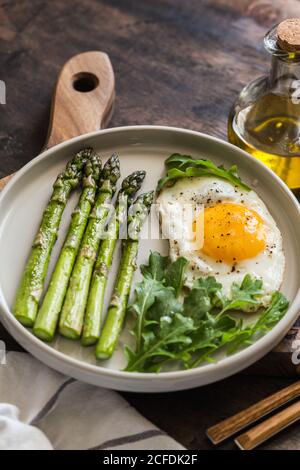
(176, 63)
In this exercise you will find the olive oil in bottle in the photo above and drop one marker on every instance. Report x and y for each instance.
(265, 120)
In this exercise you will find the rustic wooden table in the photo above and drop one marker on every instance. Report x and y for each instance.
(176, 63)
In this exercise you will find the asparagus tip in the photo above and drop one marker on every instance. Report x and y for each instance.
(145, 199)
(111, 169)
(132, 183)
(92, 168)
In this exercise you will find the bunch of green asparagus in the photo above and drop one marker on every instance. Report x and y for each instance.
(73, 302)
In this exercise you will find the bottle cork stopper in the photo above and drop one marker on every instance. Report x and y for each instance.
(288, 34)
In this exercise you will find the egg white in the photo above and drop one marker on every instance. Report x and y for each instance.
(209, 191)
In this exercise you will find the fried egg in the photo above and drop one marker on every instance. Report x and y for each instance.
(237, 234)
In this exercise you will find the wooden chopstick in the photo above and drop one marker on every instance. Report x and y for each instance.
(236, 423)
(268, 428)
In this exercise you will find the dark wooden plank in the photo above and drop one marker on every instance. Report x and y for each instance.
(176, 63)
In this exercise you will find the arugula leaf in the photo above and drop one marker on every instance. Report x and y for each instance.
(237, 336)
(175, 274)
(177, 160)
(205, 339)
(183, 166)
(156, 267)
(201, 298)
(196, 304)
(244, 297)
(152, 289)
(210, 288)
(275, 311)
(210, 332)
(172, 330)
(165, 303)
(249, 286)
(160, 269)
(268, 318)
(188, 328)
(145, 295)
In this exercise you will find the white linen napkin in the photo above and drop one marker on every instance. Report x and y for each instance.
(43, 409)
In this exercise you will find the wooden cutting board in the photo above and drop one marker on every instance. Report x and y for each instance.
(91, 110)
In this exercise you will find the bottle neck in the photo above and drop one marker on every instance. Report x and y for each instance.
(285, 66)
(284, 76)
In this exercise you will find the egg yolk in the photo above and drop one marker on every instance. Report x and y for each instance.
(232, 233)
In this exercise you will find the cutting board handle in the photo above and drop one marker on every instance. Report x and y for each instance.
(83, 97)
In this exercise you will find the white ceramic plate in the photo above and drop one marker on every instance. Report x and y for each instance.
(139, 147)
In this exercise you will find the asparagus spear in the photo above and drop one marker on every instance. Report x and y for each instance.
(32, 282)
(117, 308)
(92, 321)
(71, 319)
(46, 321)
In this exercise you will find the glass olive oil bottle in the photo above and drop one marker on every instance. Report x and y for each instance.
(265, 119)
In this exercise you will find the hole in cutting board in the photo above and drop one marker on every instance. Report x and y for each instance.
(85, 82)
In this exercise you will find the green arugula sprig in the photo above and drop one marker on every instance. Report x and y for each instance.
(172, 325)
(182, 166)
(245, 297)
(235, 335)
